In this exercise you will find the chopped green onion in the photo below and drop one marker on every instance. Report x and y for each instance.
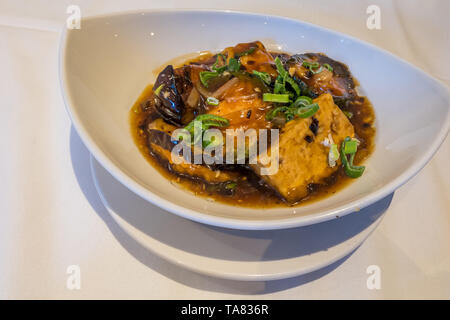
(302, 107)
(350, 147)
(279, 85)
(246, 52)
(281, 71)
(318, 70)
(348, 114)
(221, 69)
(205, 76)
(215, 67)
(285, 78)
(273, 97)
(207, 121)
(289, 116)
(230, 185)
(301, 101)
(264, 76)
(274, 112)
(293, 84)
(158, 90)
(328, 67)
(290, 113)
(312, 65)
(234, 65)
(349, 169)
(202, 123)
(183, 135)
(211, 120)
(212, 101)
(308, 111)
(213, 142)
(333, 155)
(354, 171)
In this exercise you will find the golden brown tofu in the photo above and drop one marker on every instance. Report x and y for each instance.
(303, 157)
(253, 56)
(243, 106)
(160, 146)
(193, 171)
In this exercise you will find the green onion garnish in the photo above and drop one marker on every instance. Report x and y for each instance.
(184, 135)
(318, 70)
(350, 147)
(274, 112)
(281, 71)
(273, 97)
(246, 52)
(302, 101)
(215, 65)
(310, 65)
(158, 90)
(353, 171)
(230, 185)
(234, 65)
(308, 111)
(212, 101)
(293, 84)
(313, 65)
(211, 120)
(205, 121)
(348, 114)
(264, 76)
(205, 76)
(333, 155)
(291, 112)
(328, 67)
(279, 85)
(349, 169)
(213, 142)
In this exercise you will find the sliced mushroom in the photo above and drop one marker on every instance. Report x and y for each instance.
(339, 82)
(169, 103)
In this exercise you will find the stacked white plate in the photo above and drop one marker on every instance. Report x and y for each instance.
(106, 64)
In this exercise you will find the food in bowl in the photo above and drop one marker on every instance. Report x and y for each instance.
(315, 122)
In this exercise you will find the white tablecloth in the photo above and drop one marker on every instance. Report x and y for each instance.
(51, 216)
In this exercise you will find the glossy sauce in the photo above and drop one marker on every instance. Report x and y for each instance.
(249, 193)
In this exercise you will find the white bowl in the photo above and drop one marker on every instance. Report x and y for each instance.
(106, 64)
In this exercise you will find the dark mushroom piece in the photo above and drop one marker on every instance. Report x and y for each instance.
(169, 103)
(161, 144)
(338, 82)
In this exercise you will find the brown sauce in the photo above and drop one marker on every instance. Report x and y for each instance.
(249, 193)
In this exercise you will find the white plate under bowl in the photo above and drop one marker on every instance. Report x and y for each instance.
(234, 254)
(106, 64)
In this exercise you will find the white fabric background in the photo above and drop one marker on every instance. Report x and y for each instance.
(51, 216)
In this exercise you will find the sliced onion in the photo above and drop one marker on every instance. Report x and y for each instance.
(248, 97)
(202, 90)
(192, 100)
(223, 89)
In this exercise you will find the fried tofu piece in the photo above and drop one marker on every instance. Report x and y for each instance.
(303, 150)
(161, 146)
(243, 106)
(253, 56)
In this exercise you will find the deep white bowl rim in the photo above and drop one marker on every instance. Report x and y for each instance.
(295, 221)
